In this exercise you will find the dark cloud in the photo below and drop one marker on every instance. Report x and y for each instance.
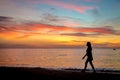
(52, 9)
(93, 31)
(3, 29)
(95, 11)
(6, 22)
(82, 34)
(47, 17)
(74, 34)
(5, 18)
(7, 29)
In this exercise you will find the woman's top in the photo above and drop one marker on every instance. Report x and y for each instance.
(89, 54)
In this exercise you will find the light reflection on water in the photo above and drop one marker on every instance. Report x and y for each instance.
(58, 58)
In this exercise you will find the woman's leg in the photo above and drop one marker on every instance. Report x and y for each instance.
(85, 65)
(92, 66)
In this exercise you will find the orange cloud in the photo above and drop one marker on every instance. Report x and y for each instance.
(44, 28)
(39, 35)
(51, 28)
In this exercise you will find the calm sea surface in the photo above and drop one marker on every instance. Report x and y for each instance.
(58, 58)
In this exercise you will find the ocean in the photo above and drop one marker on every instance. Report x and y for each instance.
(59, 58)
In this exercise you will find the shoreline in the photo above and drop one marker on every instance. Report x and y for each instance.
(67, 69)
(28, 73)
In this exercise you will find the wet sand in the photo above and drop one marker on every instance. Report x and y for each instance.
(23, 73)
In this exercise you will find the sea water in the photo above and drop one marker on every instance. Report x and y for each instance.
(59, 58)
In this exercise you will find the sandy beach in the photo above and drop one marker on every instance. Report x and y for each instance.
(23, 73)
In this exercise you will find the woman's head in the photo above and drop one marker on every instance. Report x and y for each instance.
(88, 44)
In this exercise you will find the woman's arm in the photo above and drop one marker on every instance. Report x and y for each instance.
(84, 56)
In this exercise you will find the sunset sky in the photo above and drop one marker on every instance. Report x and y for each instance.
(59, 23)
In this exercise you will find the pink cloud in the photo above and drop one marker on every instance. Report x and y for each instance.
(92, 0)
(78, 8)
(88, 0)
(102, 30)
(81, 9)
(38, 28)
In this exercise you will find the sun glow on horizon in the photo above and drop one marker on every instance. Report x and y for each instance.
(59, 23)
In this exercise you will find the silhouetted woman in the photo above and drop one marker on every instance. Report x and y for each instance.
(89, 57)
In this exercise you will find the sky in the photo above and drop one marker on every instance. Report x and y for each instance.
(59, 23)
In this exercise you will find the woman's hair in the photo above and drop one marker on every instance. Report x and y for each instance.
(88, 44)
